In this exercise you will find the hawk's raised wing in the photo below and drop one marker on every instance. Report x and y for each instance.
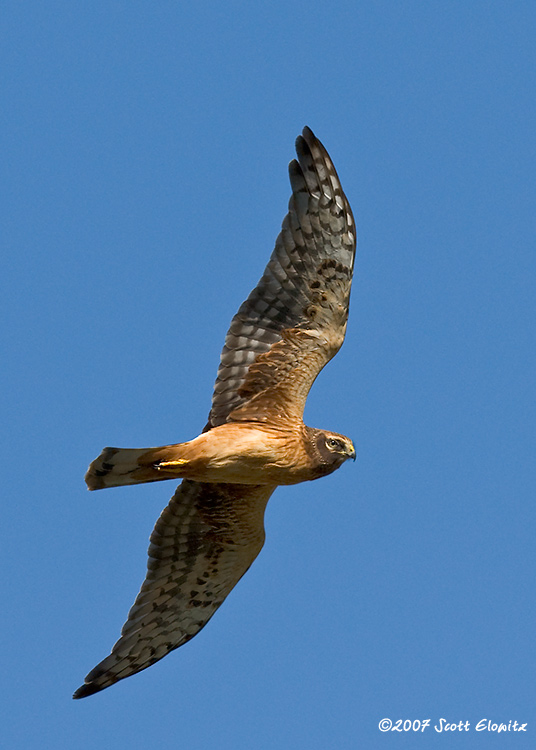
(202, 544)
(294, 321)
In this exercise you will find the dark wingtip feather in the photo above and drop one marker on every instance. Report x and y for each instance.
(85, 690)
(306, 138)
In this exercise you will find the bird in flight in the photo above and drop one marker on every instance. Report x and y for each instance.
(289, 327)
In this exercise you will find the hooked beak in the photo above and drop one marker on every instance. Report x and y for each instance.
(352, 453)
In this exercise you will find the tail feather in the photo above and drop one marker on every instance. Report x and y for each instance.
(116, 467)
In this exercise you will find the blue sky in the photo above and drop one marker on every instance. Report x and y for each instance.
(144, 180)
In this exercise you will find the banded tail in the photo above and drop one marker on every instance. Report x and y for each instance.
(116, 467)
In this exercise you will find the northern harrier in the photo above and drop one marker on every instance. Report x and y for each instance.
(290, 326)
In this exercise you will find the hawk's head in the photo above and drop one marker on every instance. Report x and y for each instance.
(331, 450)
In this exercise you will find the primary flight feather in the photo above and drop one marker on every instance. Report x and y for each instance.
(290, 326)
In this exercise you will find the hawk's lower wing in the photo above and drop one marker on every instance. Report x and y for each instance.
(202, 544)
